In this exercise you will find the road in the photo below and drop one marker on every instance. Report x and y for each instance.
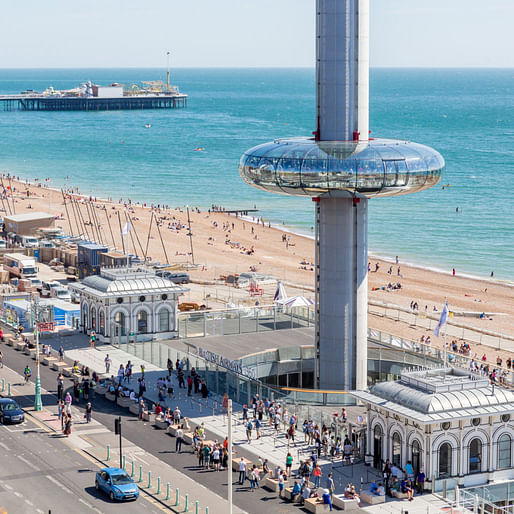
(39, 474)
(161, 445)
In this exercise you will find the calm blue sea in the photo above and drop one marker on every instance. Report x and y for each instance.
(468, 115)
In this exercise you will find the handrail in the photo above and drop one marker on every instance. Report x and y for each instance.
(318, 391)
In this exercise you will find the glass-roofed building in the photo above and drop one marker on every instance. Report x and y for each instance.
(128, 304)
(452, 423)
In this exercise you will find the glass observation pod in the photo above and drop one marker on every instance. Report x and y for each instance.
(305, 167)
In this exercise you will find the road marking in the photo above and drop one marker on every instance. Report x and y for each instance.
(28, 463)
(4, 446)
(57, 483)
(7, 486)
(28, 502)
(19, 495)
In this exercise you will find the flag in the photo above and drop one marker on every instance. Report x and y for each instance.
(126, 229)
(442, 320)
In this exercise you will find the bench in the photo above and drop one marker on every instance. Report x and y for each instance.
(316, 505)
(19, 346)
(147, 416)
(48, 360)
(235, 467)
(400, 495)
(9, 340)
(344, 503)
(160, 423)
(134, 408)
(188, 437)
(67, 371)
(100, 389)
(288, 493)
(124, 401)
(58, 365)
(269, 483)
(372, 499)
(110, 396)
(31, 352)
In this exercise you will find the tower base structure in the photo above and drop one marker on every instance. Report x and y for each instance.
(341, 291)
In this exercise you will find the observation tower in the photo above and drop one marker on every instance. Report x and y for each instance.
(341, 168)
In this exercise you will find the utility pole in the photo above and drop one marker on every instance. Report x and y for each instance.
(229, 468)
(38, 405)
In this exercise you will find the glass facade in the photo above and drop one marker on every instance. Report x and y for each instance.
(475, 456)
(304, 167)
(397, 449)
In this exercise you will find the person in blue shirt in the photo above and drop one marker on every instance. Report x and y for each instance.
(327, 500)
(373, 488)
(296, 489)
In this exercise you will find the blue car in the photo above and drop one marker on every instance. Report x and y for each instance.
(117, 484)
(10, 412)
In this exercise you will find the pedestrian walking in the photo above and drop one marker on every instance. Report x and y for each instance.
(85, 389)
(67, 403)
(289, 464)
(242, 471)
(60, 412)
(317, 476)
(60, 386)
(108, 362)
(142, 408)
(92, 338)
(67, 425)
(89, 411)
(189, 385)
(281, 482)
(170, 367)
(249, 426)
(121, 374)
(179, 439)
(61, 353)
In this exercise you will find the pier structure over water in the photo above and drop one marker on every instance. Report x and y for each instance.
(77, 103)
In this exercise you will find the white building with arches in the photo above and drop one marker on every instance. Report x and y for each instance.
(450, 422)
(128, 304)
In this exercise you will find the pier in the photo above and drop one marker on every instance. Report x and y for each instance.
(81, 103)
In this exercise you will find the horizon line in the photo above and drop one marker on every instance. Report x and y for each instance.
(250, 67)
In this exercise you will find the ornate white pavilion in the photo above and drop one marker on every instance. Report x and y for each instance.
(451, 422)
(128, 304)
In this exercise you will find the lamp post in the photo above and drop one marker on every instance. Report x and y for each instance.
(229, 468)
(190, 235)
(38, 405)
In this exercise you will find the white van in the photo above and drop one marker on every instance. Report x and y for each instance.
(29, 242)
(20, 265)
(61, 292)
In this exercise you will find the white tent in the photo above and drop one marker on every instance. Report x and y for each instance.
(280, 293)
(296, 301)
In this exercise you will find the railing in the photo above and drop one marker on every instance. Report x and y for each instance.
(490, 499)
(243, 320)
(429, 320)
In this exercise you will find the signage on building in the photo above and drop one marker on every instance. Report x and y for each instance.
(47, 326)
(229, 364)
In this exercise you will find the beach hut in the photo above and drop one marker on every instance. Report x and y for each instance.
(296, 301)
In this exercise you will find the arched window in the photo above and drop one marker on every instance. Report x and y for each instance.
(416, 456)
(445, 460)
(84, 318)
(504, 451)
(120, 323)
(102, 322)
(164, 320)
(397, 449)
(93, 318)
(475, 456)
(142, 322)
(377, 447)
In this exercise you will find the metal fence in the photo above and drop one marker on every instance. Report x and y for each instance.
(243, 320)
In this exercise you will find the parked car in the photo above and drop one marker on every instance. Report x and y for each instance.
(48, 286)
(10, 412)
(75, 297)
(44, 243)
(61, 292)
(176, 278)
(3, 244)
(117, 484)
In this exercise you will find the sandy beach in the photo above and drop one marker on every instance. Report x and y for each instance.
(225, 244)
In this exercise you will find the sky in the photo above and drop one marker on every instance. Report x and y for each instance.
(254, 33)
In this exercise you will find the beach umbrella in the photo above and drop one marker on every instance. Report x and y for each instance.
(296, 301)
(280, 293)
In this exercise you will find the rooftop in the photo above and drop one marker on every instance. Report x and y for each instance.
(440, 395)
(120, 281)
(28, 216)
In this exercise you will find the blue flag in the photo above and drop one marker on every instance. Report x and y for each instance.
(442, 320)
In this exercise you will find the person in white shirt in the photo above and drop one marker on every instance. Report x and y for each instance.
(242, 471)
(180, 437)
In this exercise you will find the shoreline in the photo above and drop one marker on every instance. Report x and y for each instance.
(372, 254)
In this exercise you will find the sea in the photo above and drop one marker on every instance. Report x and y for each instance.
(190, 156)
